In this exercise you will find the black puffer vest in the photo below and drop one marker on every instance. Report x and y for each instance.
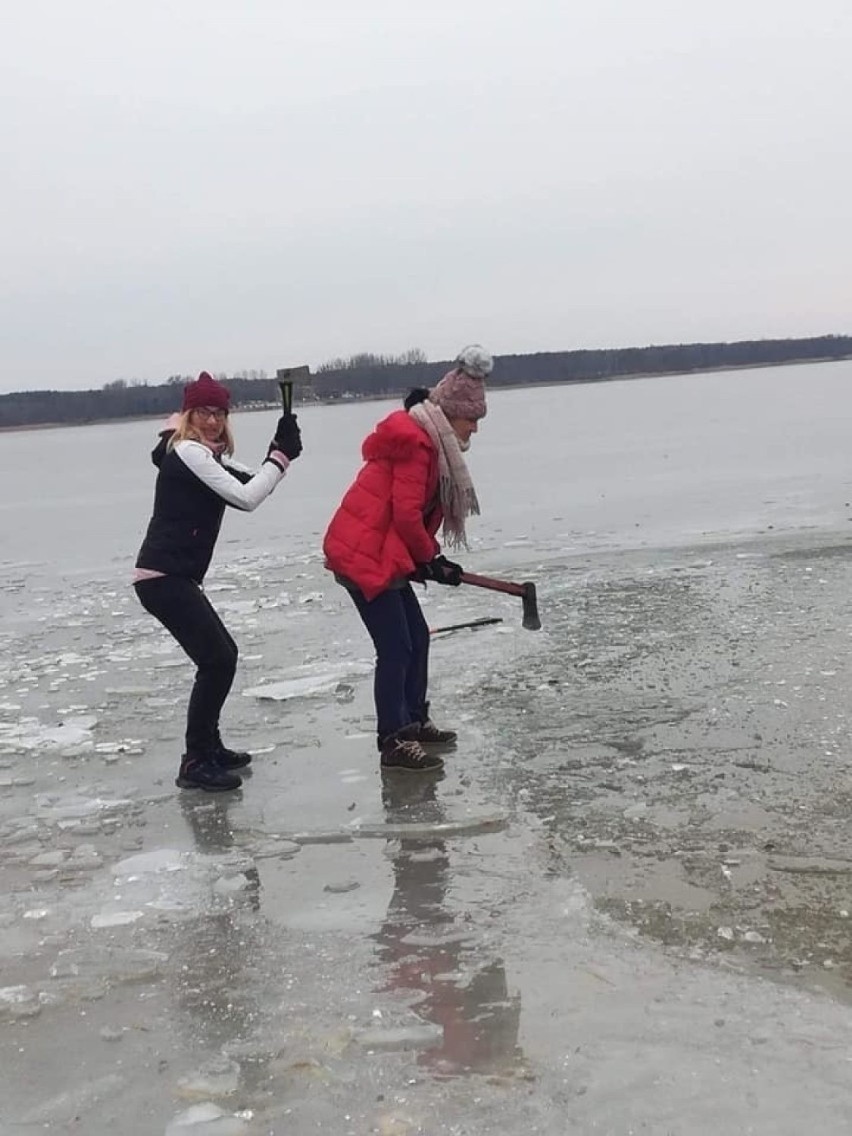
(185, 524)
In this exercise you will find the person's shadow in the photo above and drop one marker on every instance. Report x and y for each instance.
(426, 947)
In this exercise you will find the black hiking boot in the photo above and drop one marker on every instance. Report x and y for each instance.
(205, 773)
(229, 758)
(402, 751)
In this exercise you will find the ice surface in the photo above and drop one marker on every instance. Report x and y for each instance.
(480, 951)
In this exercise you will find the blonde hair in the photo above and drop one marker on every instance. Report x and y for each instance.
(185, 431)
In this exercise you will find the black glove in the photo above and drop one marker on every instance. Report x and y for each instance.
(444, 571)
(288, 437)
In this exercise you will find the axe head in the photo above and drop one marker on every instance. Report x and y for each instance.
(529, 599)
(286, 377)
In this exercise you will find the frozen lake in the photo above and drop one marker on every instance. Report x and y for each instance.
(562, 469)
(624, 907)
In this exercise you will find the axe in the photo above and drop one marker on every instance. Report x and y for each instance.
(286, 377)
(526, 591)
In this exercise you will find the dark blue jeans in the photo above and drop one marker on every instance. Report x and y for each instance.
(185, 611)
(400, 635)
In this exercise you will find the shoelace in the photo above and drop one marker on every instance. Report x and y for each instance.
(412, 750)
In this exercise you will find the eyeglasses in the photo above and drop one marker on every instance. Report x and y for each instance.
(212, 412)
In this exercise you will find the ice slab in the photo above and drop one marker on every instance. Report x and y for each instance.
(71, 737)
(206, 1119)
(53, 810)
(160, 860)
(108, 919)
(50, 859)
(308, 685)
(127, 745)
(70, 1107)
(220, 1078)
(419, 1036)
(109, 964)
(18, 1002)
(464, 826)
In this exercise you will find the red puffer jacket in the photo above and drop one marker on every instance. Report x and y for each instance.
(387, 520)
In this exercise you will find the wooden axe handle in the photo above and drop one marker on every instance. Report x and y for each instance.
(527, 592)
(495, 585)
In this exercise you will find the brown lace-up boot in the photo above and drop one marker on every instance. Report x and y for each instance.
(404, 752)
(432, 737)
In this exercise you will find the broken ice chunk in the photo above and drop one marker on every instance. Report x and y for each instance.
(220, 1078)
(206, 1120)
(115, 919)
(18, 1002)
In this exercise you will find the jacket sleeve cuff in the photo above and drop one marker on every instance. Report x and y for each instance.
(279, 459)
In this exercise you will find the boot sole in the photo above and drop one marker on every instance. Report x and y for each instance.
(183, 783)
(436, 768)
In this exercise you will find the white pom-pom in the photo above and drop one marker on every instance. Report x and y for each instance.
(475, 360)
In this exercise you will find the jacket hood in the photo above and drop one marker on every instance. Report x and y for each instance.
(394, 437)
(160, 450)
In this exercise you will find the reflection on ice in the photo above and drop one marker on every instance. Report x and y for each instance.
(419, 1035)
(428, 949)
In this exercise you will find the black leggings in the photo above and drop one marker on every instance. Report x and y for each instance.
(184, 610)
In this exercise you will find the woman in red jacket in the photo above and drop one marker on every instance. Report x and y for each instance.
(383, 536)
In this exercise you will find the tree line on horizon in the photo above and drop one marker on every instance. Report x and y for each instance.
(374, 376)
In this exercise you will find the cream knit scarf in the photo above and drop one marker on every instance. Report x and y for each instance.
(458, 497)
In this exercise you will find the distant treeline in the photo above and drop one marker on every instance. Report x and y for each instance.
(372, 376)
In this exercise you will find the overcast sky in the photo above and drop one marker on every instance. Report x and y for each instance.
(231, 184)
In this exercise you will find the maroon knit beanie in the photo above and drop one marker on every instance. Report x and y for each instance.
(460, 395)
(205, 391)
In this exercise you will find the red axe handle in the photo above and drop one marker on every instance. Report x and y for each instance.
(494, 585)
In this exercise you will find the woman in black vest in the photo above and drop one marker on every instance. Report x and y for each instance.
(197, 478)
